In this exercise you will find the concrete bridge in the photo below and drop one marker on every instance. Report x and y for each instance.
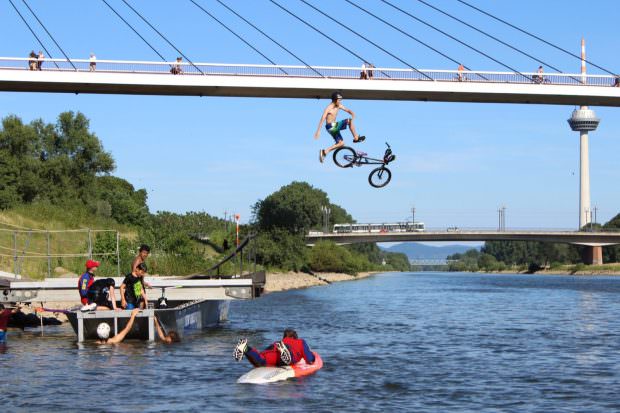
(594, 241)
(306, 82)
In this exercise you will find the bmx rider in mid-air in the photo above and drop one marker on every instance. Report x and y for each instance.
(334, 127)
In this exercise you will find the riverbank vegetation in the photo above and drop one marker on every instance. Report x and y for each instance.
(58, 177)
(522, 256)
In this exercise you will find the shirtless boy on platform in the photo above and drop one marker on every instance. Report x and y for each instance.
(334, 127)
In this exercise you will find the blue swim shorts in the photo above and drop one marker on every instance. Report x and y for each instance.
(334, 128)
(2, 337)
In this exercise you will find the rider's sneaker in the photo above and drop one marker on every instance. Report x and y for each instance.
(89, 307)
(285, 354)
(321, 155)
(360, 139)
(241, 349)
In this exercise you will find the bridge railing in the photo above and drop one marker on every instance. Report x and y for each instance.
(330, 72)
(475, 230)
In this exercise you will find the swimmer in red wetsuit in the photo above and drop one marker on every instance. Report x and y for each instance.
(290, 350)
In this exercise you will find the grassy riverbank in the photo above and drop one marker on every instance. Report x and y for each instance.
(571, 269)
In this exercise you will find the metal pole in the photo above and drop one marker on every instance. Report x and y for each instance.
(118, 257)
(413, 216)
(499, 219)
(49, 257)
(90, 245)
(15, 252)
(595, 209)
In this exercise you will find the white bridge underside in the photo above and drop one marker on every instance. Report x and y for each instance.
(273, 86)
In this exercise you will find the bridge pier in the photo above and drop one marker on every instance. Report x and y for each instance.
(593, 255)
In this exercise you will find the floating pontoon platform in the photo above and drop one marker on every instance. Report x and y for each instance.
(192, 303)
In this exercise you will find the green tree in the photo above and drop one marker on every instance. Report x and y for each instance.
(295, 207)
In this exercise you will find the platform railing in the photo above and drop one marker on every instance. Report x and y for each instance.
(174, 68)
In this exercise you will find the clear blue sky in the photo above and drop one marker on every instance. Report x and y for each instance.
(457, 163)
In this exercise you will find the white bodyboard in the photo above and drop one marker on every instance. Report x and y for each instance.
(264, 375)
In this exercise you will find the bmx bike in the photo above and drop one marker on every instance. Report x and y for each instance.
(346, 157)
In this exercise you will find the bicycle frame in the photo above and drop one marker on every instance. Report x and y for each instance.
(361, 158)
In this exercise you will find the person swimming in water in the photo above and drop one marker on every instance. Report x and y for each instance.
(103, 330)
(290, 350)
(334, 127)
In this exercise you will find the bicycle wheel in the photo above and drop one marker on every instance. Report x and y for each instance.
(380, 177)
(344, 157)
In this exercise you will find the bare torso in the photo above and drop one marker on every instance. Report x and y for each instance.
(332, 112)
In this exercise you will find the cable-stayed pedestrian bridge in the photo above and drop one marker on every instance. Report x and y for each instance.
(287, 81)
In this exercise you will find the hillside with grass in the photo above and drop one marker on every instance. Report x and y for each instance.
(60, 203)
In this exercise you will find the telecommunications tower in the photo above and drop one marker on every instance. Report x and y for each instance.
(583, 120)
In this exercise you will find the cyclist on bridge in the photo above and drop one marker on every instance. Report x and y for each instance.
(334, 127)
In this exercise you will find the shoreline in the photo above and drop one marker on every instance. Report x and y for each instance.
(275, 282)
(284, 281)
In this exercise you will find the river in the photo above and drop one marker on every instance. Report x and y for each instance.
(411, 342)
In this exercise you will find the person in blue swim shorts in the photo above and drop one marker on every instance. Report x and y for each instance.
(334, 127)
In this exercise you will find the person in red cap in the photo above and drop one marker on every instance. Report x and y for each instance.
(86, 280)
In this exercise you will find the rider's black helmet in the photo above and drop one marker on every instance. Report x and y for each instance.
(336, 95)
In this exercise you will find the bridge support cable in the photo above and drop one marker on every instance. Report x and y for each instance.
(455, 39)
(162, 36)
(411, 37)
(50, 35)
(366, 39)
(534, 36)
(135, 31)
(237, 35)
(33, 32)
(323, 34)
(270, 38)
(536, 59)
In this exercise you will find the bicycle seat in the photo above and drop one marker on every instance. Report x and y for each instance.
(361, 153)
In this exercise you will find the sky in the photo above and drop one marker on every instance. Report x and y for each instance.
(457, 163)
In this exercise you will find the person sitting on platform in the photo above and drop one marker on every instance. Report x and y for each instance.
(288, 351)
(132, 289)
(103, 330)
(101, 296)
(86, 280)
(171, 337)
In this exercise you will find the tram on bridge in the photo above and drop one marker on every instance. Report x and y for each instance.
(379, 228)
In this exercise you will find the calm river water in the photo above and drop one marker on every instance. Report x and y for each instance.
(414, 342)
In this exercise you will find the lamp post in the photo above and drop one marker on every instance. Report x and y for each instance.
(326, 211)
(237, 218)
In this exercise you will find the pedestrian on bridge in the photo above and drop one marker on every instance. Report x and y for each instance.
(92, 66)
(32, 62)
(40, 60)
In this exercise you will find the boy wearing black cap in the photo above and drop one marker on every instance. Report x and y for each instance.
(334, 127)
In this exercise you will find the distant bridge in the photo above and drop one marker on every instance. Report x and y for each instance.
(569, 237)
(430, 262)
(280, 81)
(594, 240)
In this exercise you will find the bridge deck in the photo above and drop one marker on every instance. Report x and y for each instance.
(570, 237)
(155, 78)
